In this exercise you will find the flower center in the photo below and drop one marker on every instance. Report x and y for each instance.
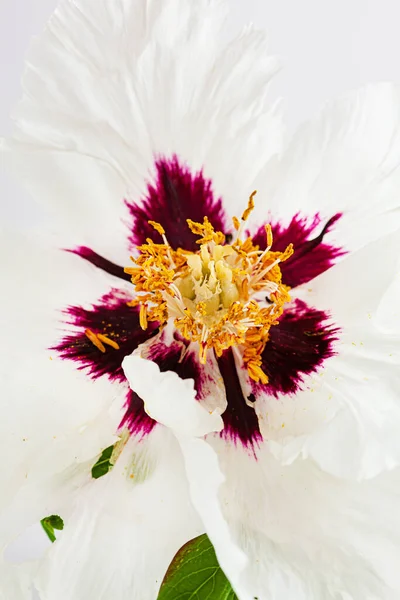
(224, 295)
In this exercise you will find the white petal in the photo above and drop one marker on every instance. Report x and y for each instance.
(344, 161)
(306, 534)
(81, 193)
(125, 527)
(16, 581)
(353, 289)
(109, 87)
(210, 387)
(347, 416)
(205, 479)
(172, 402)
(169, 399)
(52, 415)
(388, 312)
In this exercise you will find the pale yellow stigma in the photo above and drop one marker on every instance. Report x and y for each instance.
(221, 296)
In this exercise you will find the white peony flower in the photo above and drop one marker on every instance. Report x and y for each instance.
(244, 362)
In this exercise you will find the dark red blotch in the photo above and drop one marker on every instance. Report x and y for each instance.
(112, 317)
(312, 256)
(298, 346)
(175, 196)
(240, 419)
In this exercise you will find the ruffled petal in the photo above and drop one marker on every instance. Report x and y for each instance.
(268, 521)
(345, 161)
(153, 81)
(110, 546)
(173, 402)
(220, 386)
(176, 354)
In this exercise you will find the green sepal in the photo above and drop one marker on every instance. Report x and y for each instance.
(195, 574)
(103, 465)
(51, 523)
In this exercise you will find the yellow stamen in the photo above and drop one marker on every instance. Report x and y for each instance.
(209, 295)
(245, 288)
(287, 253)
(257, 373)
(106, 340)
(157, 227)
(143, 316)
(95, 340)
(250, 206)
(268, 231)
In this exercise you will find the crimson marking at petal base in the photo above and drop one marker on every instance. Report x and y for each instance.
(169, 358)
(296, 347)
(176, 195)
(311, 256)
(112, 317)
(136, 418)
(102, 263)
(240, 420)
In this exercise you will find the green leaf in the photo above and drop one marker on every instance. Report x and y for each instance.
(51, 523)
(195, 574)
(104, 464)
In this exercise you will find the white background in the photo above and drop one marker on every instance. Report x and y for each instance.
(326, 46)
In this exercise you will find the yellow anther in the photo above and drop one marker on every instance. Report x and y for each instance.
(287, 253)
(253, 336)
(143, 316)
(256, 373)
(157, 227)
(245, 288)
(219, 237)
(236, 223)
(106, 340)
(95, 340)
(196, 228)
(268, 231)
(250, 206)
